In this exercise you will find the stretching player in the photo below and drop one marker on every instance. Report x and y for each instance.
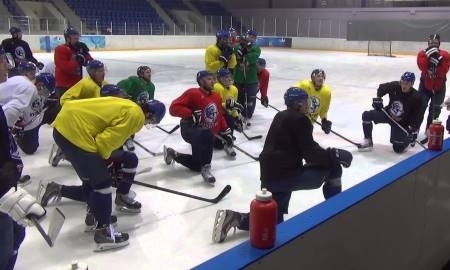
(15, 203)
(320, 95)
(228, 92)
(140, 88)
(403, 107)
(202, 118)
(289, 142)
(88, 131)
(245, 74)
(220, 54)
(434, 64)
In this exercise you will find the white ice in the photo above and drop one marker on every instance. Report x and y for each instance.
(174, 232)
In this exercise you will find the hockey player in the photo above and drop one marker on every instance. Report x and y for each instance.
(220, 54)
(245, 74)
(70, 58)
(434, 64)
(403, 107)
(234, 38)
(88, 131)
(16, 205)
(289, 142)
(19, 50)
(140, 88)
(320, 97)
(202, 118)
(228, 93)
(263, 80)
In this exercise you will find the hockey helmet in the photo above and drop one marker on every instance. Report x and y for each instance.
(25, 66)
(317, 72)
(156, 108)
(408, 77)
(48, 81)
(251, 32)
(220, 34)
(202, 74)
(112, 90)
(14, 30)
(294, 95)
(223, 72)
(140, 70)
(93, 65)
(261, 62)
(434, 37)
(70, 31)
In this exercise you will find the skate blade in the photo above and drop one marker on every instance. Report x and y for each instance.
(127, 210)
(367, 149)
(108, 246)
(52, 151)
(218, 223)
(41, 190)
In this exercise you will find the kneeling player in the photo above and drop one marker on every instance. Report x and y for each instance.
(403, 108)
(289, 142)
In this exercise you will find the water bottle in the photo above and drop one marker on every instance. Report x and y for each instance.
(263, 220)
(436, 135)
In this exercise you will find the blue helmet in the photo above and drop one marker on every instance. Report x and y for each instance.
(112, 90)
(156, 108)
(223, 72)
(222, 34)
(47, 79)
(202, 74)
(408, 77)
(261, 61)
(70, 31)
(25, 66)
(93, 65)
(14, 30)
(251, 32)
(294, 95)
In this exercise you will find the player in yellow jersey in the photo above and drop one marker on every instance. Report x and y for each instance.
(320, 97)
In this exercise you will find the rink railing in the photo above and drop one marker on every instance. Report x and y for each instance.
(397, 219)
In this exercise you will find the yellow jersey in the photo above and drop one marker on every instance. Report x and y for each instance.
(85, 88)
(319, 99)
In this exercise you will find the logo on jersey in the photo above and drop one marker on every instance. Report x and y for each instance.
(315, 104)
(142, 97)
(36, 105)
(19, 52)
(397, 109)
(211, 113)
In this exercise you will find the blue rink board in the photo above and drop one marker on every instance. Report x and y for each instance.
(244, 254)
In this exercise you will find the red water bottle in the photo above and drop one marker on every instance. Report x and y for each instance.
(263, 220)
(436, 135)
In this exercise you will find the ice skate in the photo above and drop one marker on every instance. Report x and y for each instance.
(129, 145)
(169, 155)
(229, 150)
(48, 193)
(56, 155)
(24, 180)
(207, 175)
(225, 220)
(366, 145)
(126, 204)
(91, 222)
(107, 238)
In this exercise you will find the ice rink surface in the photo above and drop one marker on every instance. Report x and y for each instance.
(174, 232)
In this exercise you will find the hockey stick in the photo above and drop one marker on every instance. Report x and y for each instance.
(238, 148)
(56, 222)
(146, 149)
(402, 128)
(335, 133)
(170, 131)
(219, 197)
(251, 137)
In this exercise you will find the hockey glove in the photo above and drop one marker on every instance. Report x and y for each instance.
(237, 122)
(435, 60)
(20, 205)
(377, 103)
(80, 59)
(197, 118)
(82, 47)
(224, 60)
(227, 135)
(265, 101)
(326, 126)
(432, 52)
(227, 51)
(340, 156)
(40, 65)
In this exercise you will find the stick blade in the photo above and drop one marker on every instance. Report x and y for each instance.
(56, 222)
(222, 194)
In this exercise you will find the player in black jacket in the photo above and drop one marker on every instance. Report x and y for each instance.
(19, 50)
(289, 142)
(404, 108)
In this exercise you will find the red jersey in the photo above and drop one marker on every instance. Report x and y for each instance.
(263, 79)
(438, 82)
(67, 70)
(234, 41)
(197, 99)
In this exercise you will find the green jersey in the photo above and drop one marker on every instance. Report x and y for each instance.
(245, 71)
(137, 88)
